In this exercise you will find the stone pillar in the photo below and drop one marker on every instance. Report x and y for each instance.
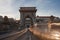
(27, 15)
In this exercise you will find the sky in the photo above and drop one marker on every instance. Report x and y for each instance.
(11, 8)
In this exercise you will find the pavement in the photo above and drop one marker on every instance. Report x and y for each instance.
(25, 34)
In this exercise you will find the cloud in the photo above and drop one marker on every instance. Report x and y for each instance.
(6, 8)
(11, 7)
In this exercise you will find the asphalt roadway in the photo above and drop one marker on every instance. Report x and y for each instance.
(21, 35)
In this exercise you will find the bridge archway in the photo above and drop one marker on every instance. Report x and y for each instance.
(28, 21)
(27, 16)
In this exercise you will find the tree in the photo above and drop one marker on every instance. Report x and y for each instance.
(6, 21)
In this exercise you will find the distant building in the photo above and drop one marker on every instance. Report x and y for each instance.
(43, 21)
(11, 20)
(46, 19)
(1, 19)
(56, 19)
(17, 21)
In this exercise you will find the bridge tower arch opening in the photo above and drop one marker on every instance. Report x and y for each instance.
(28, 21)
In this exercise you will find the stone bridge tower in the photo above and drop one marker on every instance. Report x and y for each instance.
(27, 16)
